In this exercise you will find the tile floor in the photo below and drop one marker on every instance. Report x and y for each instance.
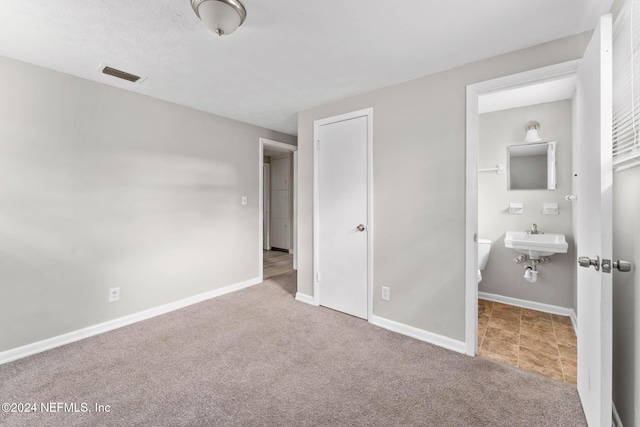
(532, 340)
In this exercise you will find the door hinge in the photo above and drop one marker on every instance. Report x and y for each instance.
(318, 277)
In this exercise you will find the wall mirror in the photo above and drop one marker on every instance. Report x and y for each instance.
(531, 166)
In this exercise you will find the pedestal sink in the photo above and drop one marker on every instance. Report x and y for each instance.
(536, 245)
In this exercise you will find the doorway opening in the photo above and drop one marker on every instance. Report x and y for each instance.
(277, 234)
(509, 319)
(592, 127)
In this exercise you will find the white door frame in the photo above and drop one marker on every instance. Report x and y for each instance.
(367, 112)
(281, 146)
(513, 81)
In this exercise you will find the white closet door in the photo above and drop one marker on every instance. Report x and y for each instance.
(266, 207)
(280, 236)
(342, 216)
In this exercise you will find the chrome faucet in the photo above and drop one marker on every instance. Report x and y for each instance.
(534, 230)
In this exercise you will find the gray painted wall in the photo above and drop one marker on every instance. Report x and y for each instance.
(100, 187)
(626, 296)
(419, 187)
(502, 276)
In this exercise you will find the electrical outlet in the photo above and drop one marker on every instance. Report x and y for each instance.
(244, 200)
(386, 293)
(114, 294)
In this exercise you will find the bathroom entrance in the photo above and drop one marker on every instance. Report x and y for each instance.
(526, 297)
(523, 310)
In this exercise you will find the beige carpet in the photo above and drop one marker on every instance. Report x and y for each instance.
(259, 358)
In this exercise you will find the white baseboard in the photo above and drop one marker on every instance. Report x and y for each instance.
(574, 321)
(420, 334)
(615, 417)
(532, 305)
(304, 298)
(77, 335)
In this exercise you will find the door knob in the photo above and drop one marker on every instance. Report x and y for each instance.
(585, 261)
(622, 265)
(361, 227)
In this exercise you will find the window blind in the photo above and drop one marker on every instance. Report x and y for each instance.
(626, 86)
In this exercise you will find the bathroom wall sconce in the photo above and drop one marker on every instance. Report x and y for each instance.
(222, 17)
(532, 132)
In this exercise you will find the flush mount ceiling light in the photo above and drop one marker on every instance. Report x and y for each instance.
(222, 17)
(532, 132)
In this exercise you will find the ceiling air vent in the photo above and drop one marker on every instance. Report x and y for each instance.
(120, 74)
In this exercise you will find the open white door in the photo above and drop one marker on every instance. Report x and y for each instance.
(594, 114)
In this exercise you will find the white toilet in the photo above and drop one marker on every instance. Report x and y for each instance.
(484, 247)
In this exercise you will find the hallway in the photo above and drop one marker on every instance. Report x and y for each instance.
(276, 263)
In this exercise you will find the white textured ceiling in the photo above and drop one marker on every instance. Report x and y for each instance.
(288, 56)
